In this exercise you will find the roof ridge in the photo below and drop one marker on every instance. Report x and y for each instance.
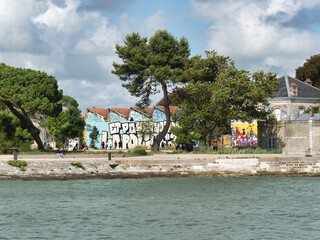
(303, 82)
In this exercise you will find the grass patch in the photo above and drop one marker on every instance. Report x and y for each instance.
(78, 165)
(136, 151)
(247, 151)
(18, 163)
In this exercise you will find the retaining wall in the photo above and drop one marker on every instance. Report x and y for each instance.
(162, 166)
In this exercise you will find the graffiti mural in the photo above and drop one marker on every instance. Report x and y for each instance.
(92, 117)
(245, 134)
(125, 135)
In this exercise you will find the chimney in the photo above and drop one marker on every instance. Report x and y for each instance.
(308, 81)
(293, 90)
(311, 113)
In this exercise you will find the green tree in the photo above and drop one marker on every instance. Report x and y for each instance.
(12, 134)
(149, 65)
(310, 69)
(69, 123)
(27, 92)
(93, 136)
(175, 98)
(145, 130)
(215, 97)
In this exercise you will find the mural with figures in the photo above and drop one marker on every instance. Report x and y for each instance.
(245, 134)
(125, 135)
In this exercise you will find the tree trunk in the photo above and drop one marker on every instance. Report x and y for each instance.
(25, 120)
(163, 133)
(208, 139)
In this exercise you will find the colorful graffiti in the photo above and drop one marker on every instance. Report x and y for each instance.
(245, 134)
(124, 135)
(92, 117)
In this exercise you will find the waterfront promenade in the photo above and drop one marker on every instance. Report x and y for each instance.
(159, 165)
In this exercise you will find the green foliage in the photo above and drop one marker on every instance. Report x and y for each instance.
(314, 109)
(69, 123)
(78, 165)
(149, 65)
(217, 93)
(12, 134)
(175, 98)
(18, 163)
(138, 151)
(5, 144)
(59, 144)
(26, 92)
(184, 135)
(145, 130)
(311, 70)
(93, 136)
(25, 147)
(247, 151)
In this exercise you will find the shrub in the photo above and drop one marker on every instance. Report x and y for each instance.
(59, 144)
(18, 163)
(78, 165)
(138, 151)
(25, 147)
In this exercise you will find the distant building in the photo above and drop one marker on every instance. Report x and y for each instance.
(296, 133)
(123, 128)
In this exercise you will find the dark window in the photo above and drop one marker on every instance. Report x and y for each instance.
(271, 141)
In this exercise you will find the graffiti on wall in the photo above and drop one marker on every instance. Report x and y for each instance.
(91, 117)
(245, 135)
(136, 116)
(124, 135)
(158, 115)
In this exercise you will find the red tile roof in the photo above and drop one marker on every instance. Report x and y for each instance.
(104, 112)
(146, 110)
(173, 109)
(125, 112)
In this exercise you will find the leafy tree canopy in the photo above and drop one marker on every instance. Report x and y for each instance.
(26, 92)
(175, 98)
(148, 65)
(69, 123)
(229, 94)
(93, 136)
(12, 134)
(310, 69)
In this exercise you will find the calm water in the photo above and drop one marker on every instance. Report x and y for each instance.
(162, 208)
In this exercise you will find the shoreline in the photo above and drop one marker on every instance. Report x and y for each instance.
(50, 167)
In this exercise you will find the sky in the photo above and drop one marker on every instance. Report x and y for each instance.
(74, 40)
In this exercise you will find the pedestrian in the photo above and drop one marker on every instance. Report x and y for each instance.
(102, 145)
(115, 144)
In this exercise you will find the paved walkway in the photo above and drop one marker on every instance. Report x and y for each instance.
(155, 157)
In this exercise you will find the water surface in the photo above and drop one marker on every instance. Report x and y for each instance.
(162, 208)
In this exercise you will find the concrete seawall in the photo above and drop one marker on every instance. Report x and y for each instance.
(46, 167)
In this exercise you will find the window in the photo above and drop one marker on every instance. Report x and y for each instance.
(277, 112)
(301, 110)
(271, 141)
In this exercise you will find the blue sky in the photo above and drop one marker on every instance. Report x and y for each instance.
(74, 40)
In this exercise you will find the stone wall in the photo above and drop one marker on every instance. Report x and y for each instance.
(163, 166)
(292, 137)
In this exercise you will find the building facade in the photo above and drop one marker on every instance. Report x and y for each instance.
(295, 132)
(124, 128)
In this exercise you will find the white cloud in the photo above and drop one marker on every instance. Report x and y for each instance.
(63, 20)
(77, 47)
(252, 33)
(16, 29)
(156, 21)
